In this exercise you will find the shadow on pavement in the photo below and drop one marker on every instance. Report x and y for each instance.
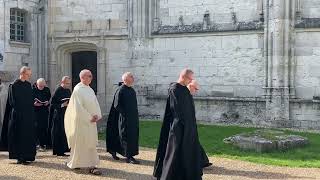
(10, 178)
(106, 172)
(249, 174)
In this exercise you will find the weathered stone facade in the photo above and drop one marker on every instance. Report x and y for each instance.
(32, 52)
(256, 60)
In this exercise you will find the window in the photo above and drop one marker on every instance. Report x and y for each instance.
(17, 25)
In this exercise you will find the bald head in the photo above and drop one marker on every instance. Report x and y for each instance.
(193, 87)
(24, 69)
(66, 82)
(25, 73)
(85, 77)
(185, 77)
(128, 79)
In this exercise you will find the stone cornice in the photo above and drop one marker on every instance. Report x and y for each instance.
(199, 28)
(308, 23)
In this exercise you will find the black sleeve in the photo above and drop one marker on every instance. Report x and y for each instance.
(118, 101)
(48, 94)
(176, 105)
(34, 93)
(55, 101)
(11, 97)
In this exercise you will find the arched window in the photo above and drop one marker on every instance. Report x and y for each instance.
(17, 25)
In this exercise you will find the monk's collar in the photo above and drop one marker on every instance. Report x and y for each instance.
(81, 83)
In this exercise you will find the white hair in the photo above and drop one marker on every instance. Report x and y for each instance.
(83, 72)
(41, 80)
(126, 75)
(24, 69)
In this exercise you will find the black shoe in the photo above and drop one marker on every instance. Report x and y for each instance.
(114, 156)
(64, 155)
(19, 162)
(207, 165)
(131, 160)
(25, 163)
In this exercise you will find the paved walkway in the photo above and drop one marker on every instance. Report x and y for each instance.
(51, 167)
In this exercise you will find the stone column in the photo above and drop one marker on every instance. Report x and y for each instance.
(139, 19)
(278, 57)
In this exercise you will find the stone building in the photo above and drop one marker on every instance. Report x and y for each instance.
(257, 60)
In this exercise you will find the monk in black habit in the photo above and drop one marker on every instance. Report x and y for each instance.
(193, 88)
(59, 103)
(18, 131)
(178, 154)
(42, 96)
(123, 122)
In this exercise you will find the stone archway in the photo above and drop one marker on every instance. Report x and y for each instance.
(64, 52)
(61, 65)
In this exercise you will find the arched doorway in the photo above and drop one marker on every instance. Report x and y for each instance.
(60, 64)
(84, 60)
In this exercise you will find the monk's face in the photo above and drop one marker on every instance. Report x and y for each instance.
(188, 78)
(27, 75)
(87, 78)
(66, 83)
(41, 85)
(130, 80)
(193, 88)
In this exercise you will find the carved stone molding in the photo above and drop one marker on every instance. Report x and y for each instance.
(215, 27)
(308, 23)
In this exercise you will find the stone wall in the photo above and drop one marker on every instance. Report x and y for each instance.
(307, 77)
(229, 65)
(99, 25)
(304, 110)
(304, 114)
(89, 17)
(29, 53)
(310, 8)
(221, 11)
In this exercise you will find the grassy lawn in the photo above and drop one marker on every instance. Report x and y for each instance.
(211, 137)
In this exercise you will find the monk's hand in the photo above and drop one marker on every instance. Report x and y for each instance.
(37, 104)
(46, 103)
(65, 104)
(94, 118)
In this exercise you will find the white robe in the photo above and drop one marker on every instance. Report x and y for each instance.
(82, 134)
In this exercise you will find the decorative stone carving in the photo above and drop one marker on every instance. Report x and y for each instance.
(206, 20)
(180, 22)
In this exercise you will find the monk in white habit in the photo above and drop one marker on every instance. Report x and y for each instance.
(82, 114)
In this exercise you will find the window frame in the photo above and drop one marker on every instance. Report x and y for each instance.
(18, 25)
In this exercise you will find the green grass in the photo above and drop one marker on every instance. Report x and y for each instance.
(211, 138)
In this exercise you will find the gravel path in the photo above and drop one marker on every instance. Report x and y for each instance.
(51, 167)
